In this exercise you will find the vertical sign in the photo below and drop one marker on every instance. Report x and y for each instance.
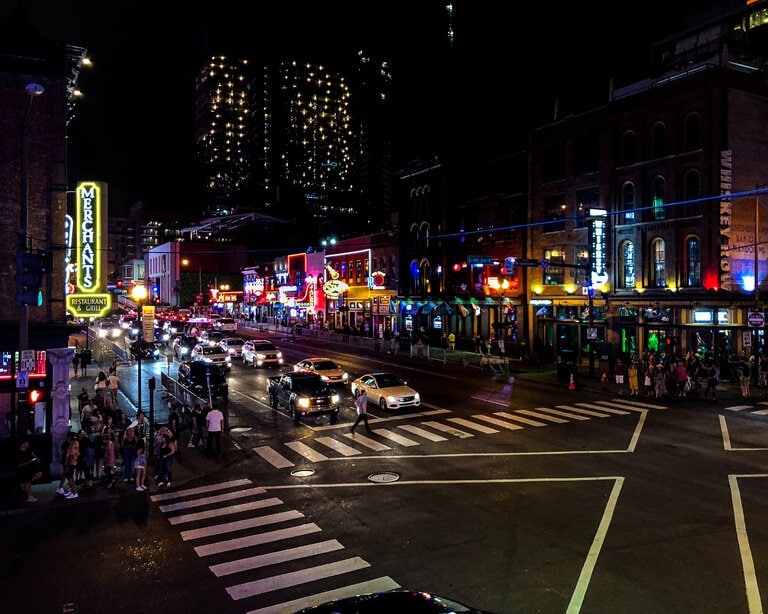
(88, 237)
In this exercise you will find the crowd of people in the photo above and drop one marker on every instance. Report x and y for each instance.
(109, 443)
(692, 374)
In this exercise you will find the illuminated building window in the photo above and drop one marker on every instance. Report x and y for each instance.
(659, 255)
(693, 262)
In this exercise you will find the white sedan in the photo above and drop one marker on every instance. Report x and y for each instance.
(387, 390)
(331, 372)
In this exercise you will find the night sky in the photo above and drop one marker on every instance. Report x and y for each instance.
(134, 128)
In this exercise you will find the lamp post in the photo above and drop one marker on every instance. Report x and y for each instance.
(33, 90)
(139, 294)
(501, 288)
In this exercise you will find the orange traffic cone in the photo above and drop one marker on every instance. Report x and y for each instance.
(571, 384)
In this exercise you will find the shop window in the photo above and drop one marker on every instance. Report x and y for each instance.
(627, 265)
(659, 256)
(627, 203)
(693, 262)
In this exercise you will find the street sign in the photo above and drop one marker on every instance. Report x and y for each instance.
(746, 339)
(527, 262)
(591, 333)
(756, 319)
(27, 360)
(22, 380)
(479, 260)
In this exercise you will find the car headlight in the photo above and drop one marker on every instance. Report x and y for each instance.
(417, 397)
(228, 358)
(391, 399)
(102, 333)
(345, 377)
(304, 403)
(325, 378)
(280, 355)
(335, 399)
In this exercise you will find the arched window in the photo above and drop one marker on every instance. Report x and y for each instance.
(659, 256)
(692, 187)
(627, 265)
(659, 140)
(627, 203)
(658, 194)
(693, 262)
(692, 132)
(628, 147)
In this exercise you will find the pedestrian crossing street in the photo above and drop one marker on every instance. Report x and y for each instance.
(437, 426)
(264, 547)
(762, 411)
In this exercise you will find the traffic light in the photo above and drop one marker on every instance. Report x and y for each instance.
(29, 278)
(35, 395)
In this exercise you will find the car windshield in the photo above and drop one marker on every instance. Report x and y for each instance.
(231, 342)
(325, 365)
(263, 346)
(388, 380)
(212, 350)
(309, 385)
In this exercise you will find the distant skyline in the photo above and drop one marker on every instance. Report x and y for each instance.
(134, 127)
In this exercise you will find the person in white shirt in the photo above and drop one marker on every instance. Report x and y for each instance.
(113, 383)
(214, 424)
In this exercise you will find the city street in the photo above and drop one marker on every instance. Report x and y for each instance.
(511, 499)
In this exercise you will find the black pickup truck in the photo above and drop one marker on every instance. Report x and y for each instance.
(303, 394)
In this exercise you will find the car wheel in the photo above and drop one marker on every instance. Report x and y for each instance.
(383, 404)
(296, 415)
(273, 401)
(335, 417)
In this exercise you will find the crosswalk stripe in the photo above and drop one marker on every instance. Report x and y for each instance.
(307, 452)
(517, 418)
(362, 440)
(338, 446)
(611, 410)
(471, 425)
(199, 490)
(502, 423)
(537, 414)
(403, 441)
(288, 580)
(761, 412)
(274, 558)
(738, 407)
(273, 457)
(225, 511)
(585, 411)
(447, 428)
(632, 405)
(361, 588)
(240, 525)
(564, 414)
(191, 503)
(417, 430)
(256, 540)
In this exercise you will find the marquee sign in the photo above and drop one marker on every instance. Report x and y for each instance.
(88, 301)
(334, 286)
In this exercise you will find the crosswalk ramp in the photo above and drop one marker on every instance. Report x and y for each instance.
(437, 427)
(264, 549)
(759, 409)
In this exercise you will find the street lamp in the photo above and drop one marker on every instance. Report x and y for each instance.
(33, 90)
(139, 294)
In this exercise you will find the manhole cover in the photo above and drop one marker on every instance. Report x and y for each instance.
(384, 477)
(302, 473)
(240, 429)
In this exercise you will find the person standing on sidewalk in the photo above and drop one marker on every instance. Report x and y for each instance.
(619, 371)
(214, 424)
(361, 403)
(76, 362)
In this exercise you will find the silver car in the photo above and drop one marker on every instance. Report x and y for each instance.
(261, 353)
(213, 354)
(233, 345)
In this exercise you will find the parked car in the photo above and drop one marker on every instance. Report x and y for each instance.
(396, 600)
(233, 345)
(197, 376)
(182, 346)
(387, 390)
(261, 353)
(214, 354)
(326, 368)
